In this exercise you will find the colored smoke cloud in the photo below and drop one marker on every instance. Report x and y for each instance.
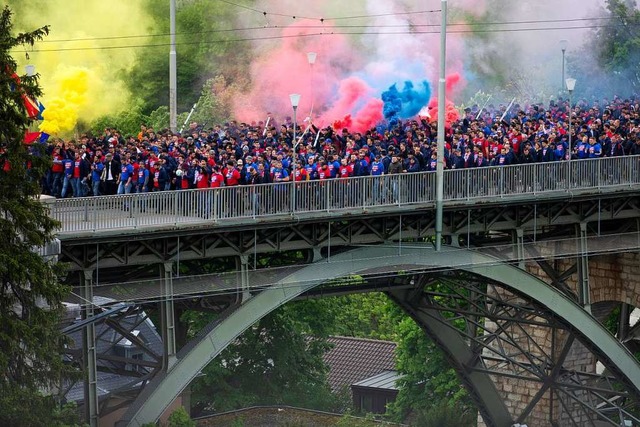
(405, 103)
(357, 75)
(80, 80)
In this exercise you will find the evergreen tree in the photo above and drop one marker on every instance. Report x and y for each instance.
(30, 298)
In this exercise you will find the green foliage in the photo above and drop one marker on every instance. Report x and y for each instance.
(619, 45)
(204, 50)
(428, 379)
(180, 418)
(274, 362)
(444, 415)
(159, 118)
(607, 63)
(30, 292)
(371, 315)
(127, 121)
(349, 420)
(23, 407)
(612, 322)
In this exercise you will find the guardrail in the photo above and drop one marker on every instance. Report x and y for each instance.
(184, 207)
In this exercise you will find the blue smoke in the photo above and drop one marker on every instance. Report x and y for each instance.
(406, 103)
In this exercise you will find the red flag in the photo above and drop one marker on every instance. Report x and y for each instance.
(31, 137)
(33, 110)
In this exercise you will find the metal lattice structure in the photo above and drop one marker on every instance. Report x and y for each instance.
(518, 343)
(494, 321)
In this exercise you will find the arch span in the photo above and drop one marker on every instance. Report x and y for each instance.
(159, 394)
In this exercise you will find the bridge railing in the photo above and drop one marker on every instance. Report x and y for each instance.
(184, 207)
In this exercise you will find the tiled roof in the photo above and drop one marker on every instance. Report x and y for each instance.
(355, 359)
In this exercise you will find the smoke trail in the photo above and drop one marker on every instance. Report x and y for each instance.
(82, 84)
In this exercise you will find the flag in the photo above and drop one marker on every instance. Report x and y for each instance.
(31, 137)
(34, 108)
(33, 111)
(41, 109)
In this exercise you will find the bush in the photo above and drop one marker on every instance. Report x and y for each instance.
(180, 418)
(443, 415)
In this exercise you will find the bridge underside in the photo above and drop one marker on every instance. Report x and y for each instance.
(502, 329)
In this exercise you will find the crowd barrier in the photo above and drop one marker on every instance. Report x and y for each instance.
(344, 195)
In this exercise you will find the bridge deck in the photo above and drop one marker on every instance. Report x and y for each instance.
(336, 198)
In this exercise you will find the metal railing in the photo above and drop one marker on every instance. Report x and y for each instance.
(262, 202)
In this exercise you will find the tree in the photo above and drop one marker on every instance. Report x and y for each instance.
(205, 48)
(30, 295)
(277, 361)
(429, 388)
(617, 46)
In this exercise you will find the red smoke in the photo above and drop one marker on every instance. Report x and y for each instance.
(350, 91)
(451, 113)
(369, 116)
(346, 122)
(282, 70)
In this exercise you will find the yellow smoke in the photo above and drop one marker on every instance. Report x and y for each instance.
(81, 73)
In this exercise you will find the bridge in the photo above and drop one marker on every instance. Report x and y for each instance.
(536, 258)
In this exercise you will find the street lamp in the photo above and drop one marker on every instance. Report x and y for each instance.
(571, 85)
(295, 100)
(563, 45)
(173, 70)
(441, 126)
(311, 58)
(30, 70)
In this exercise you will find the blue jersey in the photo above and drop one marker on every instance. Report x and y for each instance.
(377, 168)
(126, 172)
(97, 171)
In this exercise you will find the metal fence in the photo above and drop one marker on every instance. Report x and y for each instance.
(184, 207)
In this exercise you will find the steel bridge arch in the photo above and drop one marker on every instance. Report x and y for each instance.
(166, 386)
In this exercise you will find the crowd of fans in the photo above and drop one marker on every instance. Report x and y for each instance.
(235, 153)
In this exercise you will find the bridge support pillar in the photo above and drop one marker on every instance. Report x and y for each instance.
(242, 266)
(519, 247)
(167, 312)
(584, 290)
(317, 255)
(91, 405)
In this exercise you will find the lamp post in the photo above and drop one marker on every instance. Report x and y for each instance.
(571, 85)
(441, 126)
(311, 58)
(563, 45)
(295, 100)
(173, 70)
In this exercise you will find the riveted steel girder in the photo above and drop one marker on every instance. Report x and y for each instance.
(383, 261)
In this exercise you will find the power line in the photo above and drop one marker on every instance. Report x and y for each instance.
(277, 27)
(321, 19)
(323, 33)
